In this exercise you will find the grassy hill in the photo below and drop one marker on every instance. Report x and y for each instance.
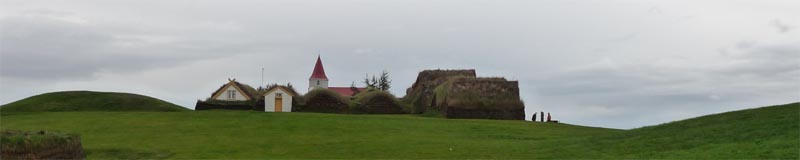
(760, 133)
(89, 101)
(769, 132)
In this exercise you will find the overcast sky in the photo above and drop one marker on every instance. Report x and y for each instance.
(618, 64)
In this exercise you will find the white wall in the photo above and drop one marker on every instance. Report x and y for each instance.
(269, 101)
(224, 96)
(312, 83)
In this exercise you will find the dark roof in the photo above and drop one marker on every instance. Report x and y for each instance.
(249, 91)
(346, 91)
(319, 71)
(288, 89)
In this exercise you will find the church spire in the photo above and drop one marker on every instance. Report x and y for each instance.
(319, 71)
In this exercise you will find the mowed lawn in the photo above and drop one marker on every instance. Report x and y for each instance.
(242, 134)
(761, 133)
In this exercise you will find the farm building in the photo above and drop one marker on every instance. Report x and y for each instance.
(461, 94)
(232, 95)
(234, 91)
(279, 99)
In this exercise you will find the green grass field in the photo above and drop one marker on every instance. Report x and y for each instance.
(239, 134)
(131, 126)
(769, 132)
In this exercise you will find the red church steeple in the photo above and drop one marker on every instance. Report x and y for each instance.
(319, 71)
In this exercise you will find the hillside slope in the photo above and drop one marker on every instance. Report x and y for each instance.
(761, 133)
(89, 101)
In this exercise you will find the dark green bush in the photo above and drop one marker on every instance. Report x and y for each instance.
(221, 102)
(377, 102)
(325, 92)
(35, 139)
(40, 145)
(325, 101)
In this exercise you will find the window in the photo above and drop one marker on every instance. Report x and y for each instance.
(278, 95)
(318, 82)
(231, 94)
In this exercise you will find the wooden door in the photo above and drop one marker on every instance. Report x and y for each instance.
(278, 104)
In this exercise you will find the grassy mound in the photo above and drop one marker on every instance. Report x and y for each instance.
(376, 102)
(325, 101)
(89, 101)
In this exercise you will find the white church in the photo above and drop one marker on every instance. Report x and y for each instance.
(318, 79)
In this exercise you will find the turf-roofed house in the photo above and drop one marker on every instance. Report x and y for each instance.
(462, 94)
(232, 95)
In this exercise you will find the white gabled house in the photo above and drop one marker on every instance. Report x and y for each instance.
(278, 99)
(232, 91)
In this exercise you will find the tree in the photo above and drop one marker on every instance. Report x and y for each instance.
(368, 83)
(353, 88)
(374, 82)
(384, 83)
(270, 86)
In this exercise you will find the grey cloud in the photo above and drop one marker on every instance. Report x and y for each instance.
(782, 27)
(50, 48)
(592, 63)
(609, 89)
(763, 62)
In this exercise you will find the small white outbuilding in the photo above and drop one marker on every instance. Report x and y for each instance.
(278, 99)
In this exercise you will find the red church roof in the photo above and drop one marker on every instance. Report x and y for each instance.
(346, 91)
(319, 72)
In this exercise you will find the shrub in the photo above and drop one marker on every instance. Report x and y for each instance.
(40, 145)
(298, 103)
(413, 103)
(257, 105)
(221, 102)
(376, 102)
(325, 101)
